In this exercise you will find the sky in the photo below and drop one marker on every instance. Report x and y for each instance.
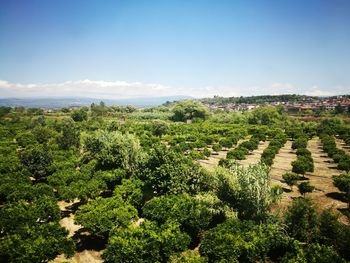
(201, 48)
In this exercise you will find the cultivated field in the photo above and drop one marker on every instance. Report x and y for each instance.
(254, 156)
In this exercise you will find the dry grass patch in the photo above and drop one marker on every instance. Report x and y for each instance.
(213, 160)
(281, 165)
(325, 195)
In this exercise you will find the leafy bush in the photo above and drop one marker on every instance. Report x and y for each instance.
(145, 243)
(300, 142)
(305, 187)
(290, 179)
(79, 115)
(243, 241)
(102, 214)
(342, 182)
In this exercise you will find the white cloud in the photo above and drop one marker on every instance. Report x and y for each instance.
(281, 88)
(122, 89)
(85, 88)
(316, 91)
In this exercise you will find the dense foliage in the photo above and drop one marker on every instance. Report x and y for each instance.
(132, 179)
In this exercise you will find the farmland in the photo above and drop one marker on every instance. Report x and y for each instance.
(175, 183)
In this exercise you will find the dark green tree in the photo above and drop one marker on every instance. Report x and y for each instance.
(79, 115)
(37, 159)
(243, 241)
(290, 179)
(342, 182)
(305, 187)
(102, 214)
(145, 243)
(301, 220)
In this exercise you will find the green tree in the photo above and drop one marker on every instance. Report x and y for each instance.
(248, 190)
(30, 231)
(79, 115)
(113, 150)
(25, 138)
(102, 214)
(237, 153)
(344, 164)
(300, 142)
(333, 233)
(342, 182)
(217, 147)
(305, 187)
(265, 115)
(189, 256)
(37, 159)
(39, 243)
(190, 213)
(189, 110)
(301, 220)
(16, 215)
(313, 253)
(290, 179)
(82, 182)
(206, 152)
(4, 110)
(131, 191)
(302, 165)
(43, 134)
(145, 243)
(159, 127)
(169, 172)
(243, 241)
(69, 136)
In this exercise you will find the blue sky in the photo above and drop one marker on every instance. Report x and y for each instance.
(129, 48)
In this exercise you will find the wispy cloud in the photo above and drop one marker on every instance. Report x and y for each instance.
(123, 89)
(85, 88)
(316, 91)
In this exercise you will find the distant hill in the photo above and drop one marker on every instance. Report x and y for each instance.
(77, 102)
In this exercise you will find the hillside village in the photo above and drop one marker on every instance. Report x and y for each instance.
(339, 103)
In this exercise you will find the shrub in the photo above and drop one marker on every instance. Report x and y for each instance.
(290, 179)
(305, 187)
(238, 153)
(300, 142)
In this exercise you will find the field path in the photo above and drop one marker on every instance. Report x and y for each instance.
(213, 160)
(67, 221)
(342, 145)
(326, 195)
(281, 165)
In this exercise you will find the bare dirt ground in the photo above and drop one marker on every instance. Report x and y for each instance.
(67, 221)
(325, 195)
(281, 165)
(341, 145)
(254, 156)
(213, 160)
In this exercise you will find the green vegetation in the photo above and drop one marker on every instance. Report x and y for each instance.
(274, 146)
(136, 186)
(290, 179)
(342, 182)
(304, 162)
(339, 156)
